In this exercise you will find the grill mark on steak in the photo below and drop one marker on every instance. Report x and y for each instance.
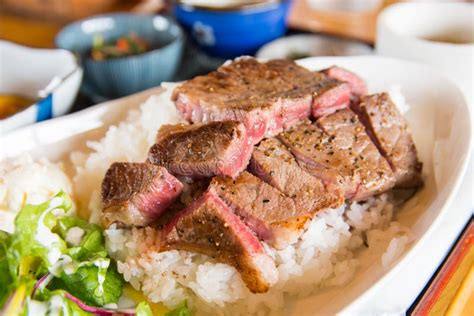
(338, 149)
(269, 213)
(202, 150)
(390, 133)
(275, 164)
(209, 226)
(266, 97)
(136, 194)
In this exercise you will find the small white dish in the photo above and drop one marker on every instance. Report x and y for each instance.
(442, 131)
(310, 45)
(50, 76)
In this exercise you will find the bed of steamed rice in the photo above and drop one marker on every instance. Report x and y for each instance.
(325, 255)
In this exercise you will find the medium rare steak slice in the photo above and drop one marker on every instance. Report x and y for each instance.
(305, 143)
(390, 133)
(269, 213)
(358, 87)
(275, 164)
(210, 227)
(203, 150)
(266, 97)
(136, 194)
(336, 98)
(338, 149)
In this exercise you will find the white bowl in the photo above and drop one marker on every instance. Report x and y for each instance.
(26, 71)
(407, 30)
(311, 45)
(442, 132)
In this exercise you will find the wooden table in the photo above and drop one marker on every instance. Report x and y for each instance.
(28, 31)
(329, 17)
(37, 31)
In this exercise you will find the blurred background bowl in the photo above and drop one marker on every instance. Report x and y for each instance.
(49, 78)
(233, 29)
(130, 74)
(310, 45)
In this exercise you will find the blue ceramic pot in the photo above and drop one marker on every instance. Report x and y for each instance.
(126, 75)
(234, 32)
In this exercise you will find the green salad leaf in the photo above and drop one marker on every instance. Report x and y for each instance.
(96, 280)
(34, 226)
(48, 240)
(92, 244)
(57, 264)
(92, 285)
(6, 279)
(181, 310)
(143, 309)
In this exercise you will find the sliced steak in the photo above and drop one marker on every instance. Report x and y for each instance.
(168, 130)
(203, 150)
(338, 149)
(270, 214)
(136, 194)
(266, 97)
(358, 87)
(209, 226)
(334, 95)
(275, 164)
(305, 142)
(390, 133)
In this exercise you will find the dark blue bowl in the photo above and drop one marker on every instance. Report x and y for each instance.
(234, 32)
(126, 75)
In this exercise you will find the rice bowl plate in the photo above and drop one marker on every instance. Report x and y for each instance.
(342, 253)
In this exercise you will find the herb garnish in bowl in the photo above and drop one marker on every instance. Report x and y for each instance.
(128, 45)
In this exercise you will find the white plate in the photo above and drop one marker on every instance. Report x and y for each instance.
(441, 127)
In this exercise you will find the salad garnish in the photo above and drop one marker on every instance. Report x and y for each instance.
(57, 264)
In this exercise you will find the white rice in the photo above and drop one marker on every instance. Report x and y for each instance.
(325, 255)
(26, 181)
